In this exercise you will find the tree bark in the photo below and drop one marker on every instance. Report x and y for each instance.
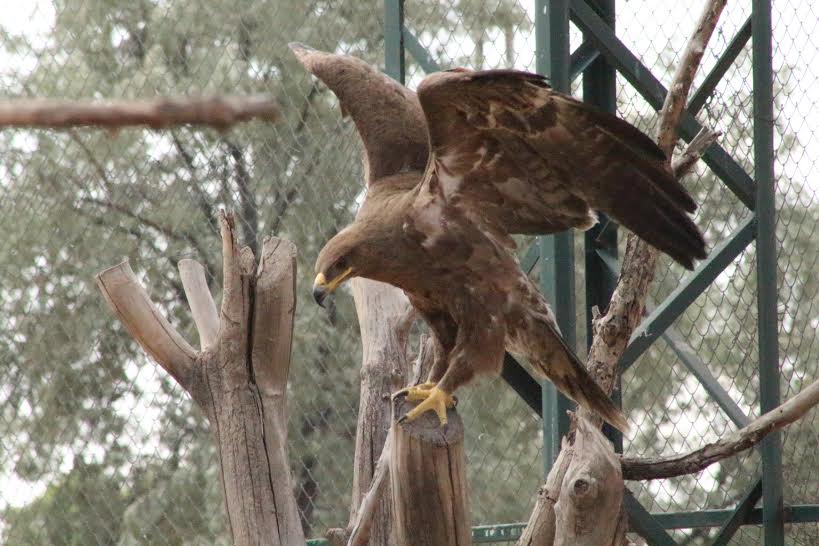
(428, 478)
(239, 378)
(217, 112)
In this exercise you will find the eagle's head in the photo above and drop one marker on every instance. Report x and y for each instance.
(343, 257)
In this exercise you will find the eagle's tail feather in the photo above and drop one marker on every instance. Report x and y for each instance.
(576, 383)
(559, 363)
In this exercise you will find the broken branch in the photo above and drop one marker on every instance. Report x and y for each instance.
(131, 304)
(200, 301)
(733, 443)
(217, 112)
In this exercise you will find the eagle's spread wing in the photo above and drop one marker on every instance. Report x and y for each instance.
(386, 114)
(516, 156)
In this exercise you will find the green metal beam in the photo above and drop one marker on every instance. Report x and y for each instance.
(393, 39)
(692, 361)
(804, 513)
(641, 78)
(530, 259)
(645, 524)
(582, 58)
(526, 386)
(725, 62)
(679, 300)
(773, 519)
(699, 369)
(497, 533)
(552, 57)
(740, 515)
(424, 59)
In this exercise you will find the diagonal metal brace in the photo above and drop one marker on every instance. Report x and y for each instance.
(640, 76)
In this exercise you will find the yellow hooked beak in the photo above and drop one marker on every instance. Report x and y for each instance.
(322, 288)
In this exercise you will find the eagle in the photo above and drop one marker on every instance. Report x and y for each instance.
(456, 169)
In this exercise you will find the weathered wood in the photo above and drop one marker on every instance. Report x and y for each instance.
(384, 318)
(428, 478)
(591, 494)
(200, 300)
(143, 321)
(239, 379)
(218, 112)
(541, 526)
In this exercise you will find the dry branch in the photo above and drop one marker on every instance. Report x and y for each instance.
(218, 112)
(360, 532)
(740, 440)
(239, 378)
(135, 310)
(200, 300)
(384, 317)
(677, 96)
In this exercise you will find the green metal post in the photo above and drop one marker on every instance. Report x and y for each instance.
(394, 39)
(767, 322)
(600, 89)
(552, 57)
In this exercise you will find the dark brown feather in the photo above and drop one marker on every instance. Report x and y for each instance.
(550, 159)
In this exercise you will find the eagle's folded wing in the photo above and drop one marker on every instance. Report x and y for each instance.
(512, 153)
(386, 114)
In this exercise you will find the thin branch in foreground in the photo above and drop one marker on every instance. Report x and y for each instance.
(677, 96)
(360, 533)
(683, 163)
(217, 112)
(733, 443)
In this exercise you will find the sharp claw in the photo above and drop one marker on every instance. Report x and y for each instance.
(434, 399)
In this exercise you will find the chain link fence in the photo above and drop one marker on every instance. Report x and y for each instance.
(99, 446)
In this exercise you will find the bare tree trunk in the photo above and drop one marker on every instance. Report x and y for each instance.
(385, 317)
(238, 378)
(428, 478)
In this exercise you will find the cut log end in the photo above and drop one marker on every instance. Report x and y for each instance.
(426, 428)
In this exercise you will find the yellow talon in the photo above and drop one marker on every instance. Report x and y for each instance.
(420, 392)
(434, 399)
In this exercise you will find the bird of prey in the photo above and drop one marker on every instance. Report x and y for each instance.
(452, 172)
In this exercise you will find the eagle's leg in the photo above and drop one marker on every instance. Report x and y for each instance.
(437, 400)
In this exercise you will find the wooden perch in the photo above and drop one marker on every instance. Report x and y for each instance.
(217, 112)
(735, 442)
(428, 479)
(239, 378)
(384, 318)
(613, 331)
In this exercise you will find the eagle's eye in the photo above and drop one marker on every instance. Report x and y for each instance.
(340, 265)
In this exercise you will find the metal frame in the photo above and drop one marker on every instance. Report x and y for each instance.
(598, 59)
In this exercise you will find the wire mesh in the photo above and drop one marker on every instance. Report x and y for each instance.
(99, 446)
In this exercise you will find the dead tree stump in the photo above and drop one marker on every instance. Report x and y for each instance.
(428, 478)
(238, 378)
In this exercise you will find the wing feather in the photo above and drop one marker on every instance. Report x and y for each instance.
(387, 115)
(512, 152)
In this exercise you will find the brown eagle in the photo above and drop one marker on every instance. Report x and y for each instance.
(452, 172)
